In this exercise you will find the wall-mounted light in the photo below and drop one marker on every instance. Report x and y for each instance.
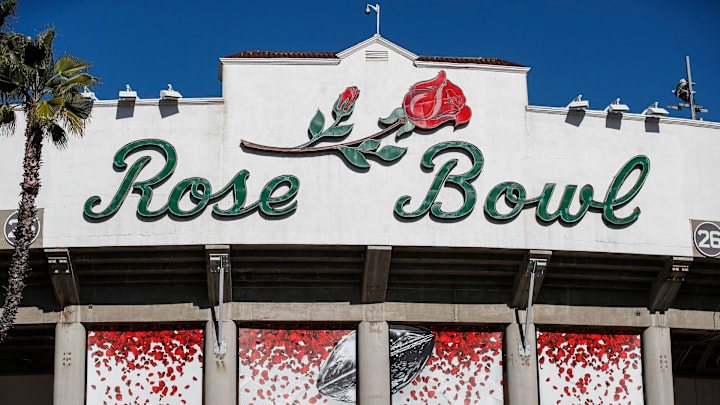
(88, 94)
(654, 111)
(578, 104)
(128, 94)
(616, 108)
(170, 94)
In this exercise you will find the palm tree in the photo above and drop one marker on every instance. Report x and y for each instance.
(48, 91)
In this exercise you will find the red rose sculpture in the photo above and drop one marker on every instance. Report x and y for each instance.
(346, 101)
(431, 103)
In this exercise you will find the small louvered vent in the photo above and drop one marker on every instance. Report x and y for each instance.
(376, 56)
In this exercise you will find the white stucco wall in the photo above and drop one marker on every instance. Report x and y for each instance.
(272, 104)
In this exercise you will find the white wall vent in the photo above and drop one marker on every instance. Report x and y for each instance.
(377, 56)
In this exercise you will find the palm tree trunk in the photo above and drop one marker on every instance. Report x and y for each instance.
(20, 263)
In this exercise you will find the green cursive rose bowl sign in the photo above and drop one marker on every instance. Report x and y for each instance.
(403, 154)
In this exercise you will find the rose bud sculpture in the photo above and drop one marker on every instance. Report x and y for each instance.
(430, 104)
(346, 102)
(342, 108)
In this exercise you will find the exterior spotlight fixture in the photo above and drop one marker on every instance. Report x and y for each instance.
(128, 94)
(88, 94)
(376, 8)
(170, 94)
(616, 108)
(684, 91)
(578, 104)
(654, 111)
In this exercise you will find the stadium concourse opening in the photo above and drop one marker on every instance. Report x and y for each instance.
(369, 226)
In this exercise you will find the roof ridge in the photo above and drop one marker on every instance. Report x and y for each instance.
(259, 54)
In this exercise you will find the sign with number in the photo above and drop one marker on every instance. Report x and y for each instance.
(706, 238)
(11, 223)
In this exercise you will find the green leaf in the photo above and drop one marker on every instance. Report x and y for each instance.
(390, 153)
(354, 157)
(394, 116)
(338, 131)
(407, 128)
(317, 124)
(369, 146)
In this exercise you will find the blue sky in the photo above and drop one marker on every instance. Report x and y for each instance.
(603, 49)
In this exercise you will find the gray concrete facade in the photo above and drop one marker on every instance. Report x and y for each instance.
(70, 358)
(522, 379)
(220, 370)
(373, 366)
(657, 363)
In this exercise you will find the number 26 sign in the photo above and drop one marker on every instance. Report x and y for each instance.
(706, 238)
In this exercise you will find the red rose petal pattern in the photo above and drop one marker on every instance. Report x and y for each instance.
(141, 367)
(465, 368)
(280, 365)
(589, 368)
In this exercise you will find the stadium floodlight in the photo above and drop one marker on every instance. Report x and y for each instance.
(654, 111)
(128, 94)
(616, 108)
(170, 94)
(578, 104)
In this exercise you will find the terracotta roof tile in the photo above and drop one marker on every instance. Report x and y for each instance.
(479, 61)
(333, 55)
(284, 54)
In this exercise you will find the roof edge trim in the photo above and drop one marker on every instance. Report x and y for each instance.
(626, 116)
(476, 66)
(278, 61)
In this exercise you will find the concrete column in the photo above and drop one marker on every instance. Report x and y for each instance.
(373, 368)
(221, 371)
(657, 365)
(70, 359)
(522, 378)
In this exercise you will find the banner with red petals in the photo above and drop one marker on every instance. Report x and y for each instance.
(589, 368)
(296, 365)
(153, 365)
(465, 368)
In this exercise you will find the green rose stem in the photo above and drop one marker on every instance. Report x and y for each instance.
(320, 135)
(304, 149)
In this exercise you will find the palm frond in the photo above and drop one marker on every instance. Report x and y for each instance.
(78, 81)
(68, 65)
(7, 119)
(48, 110)
(79, 105)
(7, 9)
(57, 135)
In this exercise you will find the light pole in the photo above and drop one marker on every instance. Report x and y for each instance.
(376, 8)
(684, 91)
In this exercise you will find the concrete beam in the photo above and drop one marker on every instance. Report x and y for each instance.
(693, 320)
(666, 286)
(538, 260)
(62, 277)
(560, 315)
(377, 270)
(217, 256)
(546, 315)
